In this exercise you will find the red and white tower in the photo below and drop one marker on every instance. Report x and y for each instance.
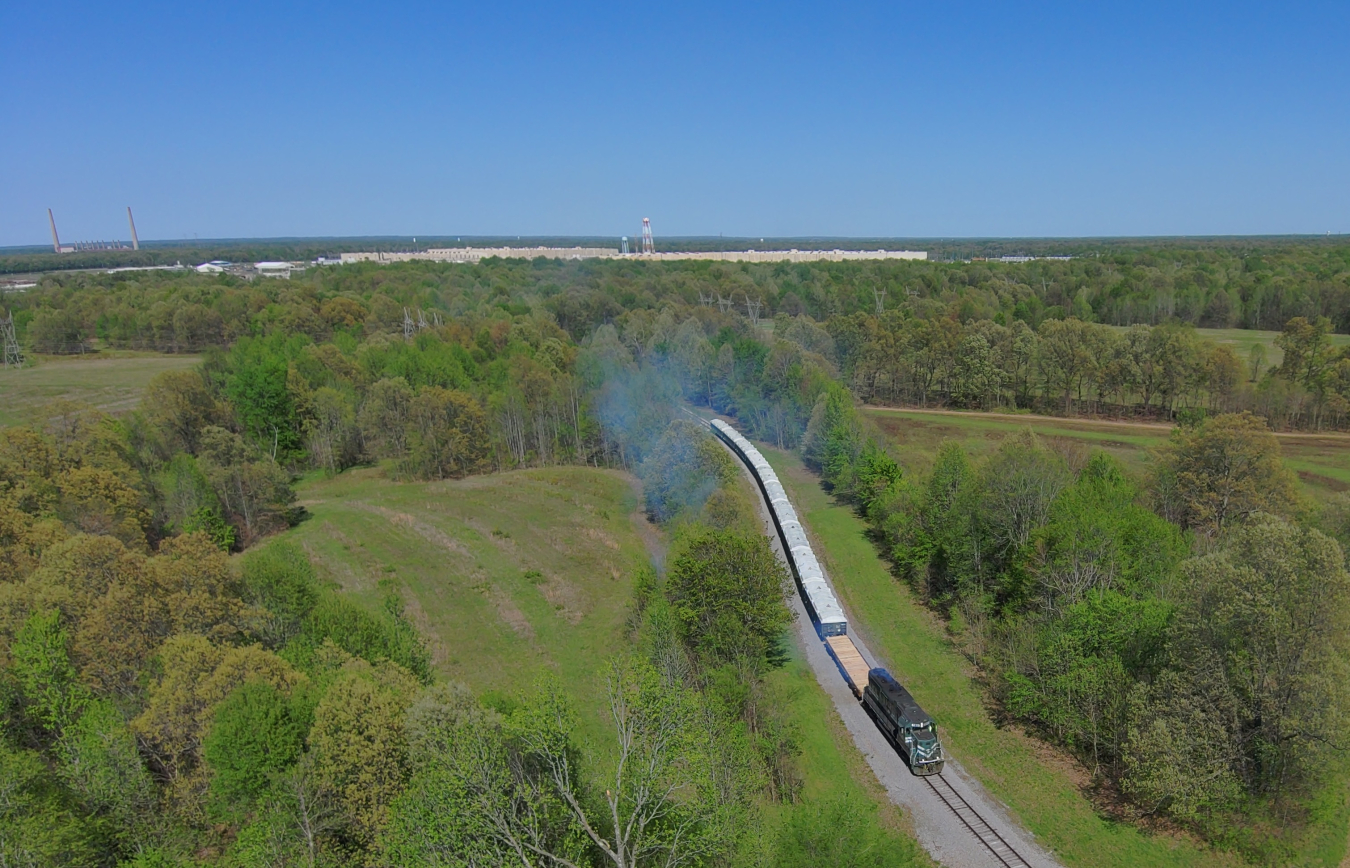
(648, 246)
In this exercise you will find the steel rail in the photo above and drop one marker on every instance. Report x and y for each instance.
(979, 827)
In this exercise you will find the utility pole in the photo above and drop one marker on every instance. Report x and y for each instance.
(13, 355)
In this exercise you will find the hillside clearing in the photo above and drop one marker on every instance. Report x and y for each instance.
(111, 381)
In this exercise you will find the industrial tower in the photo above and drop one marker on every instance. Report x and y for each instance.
(56, 239)
(648, 245)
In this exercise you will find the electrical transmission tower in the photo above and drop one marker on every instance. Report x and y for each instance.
(880, 296)
(724, 303)
(421, 320)
(408, 325)
(648, 245)
(752, 309)
(13, 355)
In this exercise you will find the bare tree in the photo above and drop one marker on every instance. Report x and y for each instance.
(657, 813)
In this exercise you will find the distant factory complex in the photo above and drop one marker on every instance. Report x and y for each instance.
(645, 252)
(81, 246)
(474, 254)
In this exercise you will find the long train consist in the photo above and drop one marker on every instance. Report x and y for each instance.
(889, 704)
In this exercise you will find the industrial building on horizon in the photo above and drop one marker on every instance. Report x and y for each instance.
(646, 252)
(476, 254)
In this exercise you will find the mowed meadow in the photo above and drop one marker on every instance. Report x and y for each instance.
(111, 381)
(504, 575)
(1322, 461)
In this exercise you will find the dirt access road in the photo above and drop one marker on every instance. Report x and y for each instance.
(939, 829)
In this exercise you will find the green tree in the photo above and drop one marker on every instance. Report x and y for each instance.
(1066, 356)
(978, 381)
(101, 765)
(42, 667)
(449, 436)
(1220, 471)
(1259, 690)
(256, 732)
(728, 592)
(385, 416)
(1097, 538)
(257, 390)
(280, 581)
(331, 431)
(190, 502)
(358, 743)
(1307, 351)
(38, 825)
(178, 405)
(842, 832)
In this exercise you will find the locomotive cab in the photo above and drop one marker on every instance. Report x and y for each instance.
(907, 725)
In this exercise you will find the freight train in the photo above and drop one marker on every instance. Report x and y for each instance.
(905, 724)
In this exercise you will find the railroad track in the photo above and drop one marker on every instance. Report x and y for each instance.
(846, 655)
(992, 840)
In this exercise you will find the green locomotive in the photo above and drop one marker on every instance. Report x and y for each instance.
(907, 725)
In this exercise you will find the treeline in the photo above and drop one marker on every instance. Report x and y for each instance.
(1070, 366)
(152, 695)
(1259, 286)
(1186, 636)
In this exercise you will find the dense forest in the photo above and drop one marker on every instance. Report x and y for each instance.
(165, 702)
(1108, 333)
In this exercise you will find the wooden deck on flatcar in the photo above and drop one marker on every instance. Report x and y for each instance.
(851, 661)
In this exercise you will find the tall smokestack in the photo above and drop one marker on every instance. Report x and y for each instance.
(56, 242)
(135, 245)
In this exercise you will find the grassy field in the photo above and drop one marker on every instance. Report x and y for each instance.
(1242, 341)
(511, 574)
(505, 575)
(1042, 788)
(111, 381)
(1322, 461)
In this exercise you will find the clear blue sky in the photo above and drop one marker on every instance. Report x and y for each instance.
(248, 119)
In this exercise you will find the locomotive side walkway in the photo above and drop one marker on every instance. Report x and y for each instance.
(939, 829)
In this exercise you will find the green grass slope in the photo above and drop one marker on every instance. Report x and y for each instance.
(505, 575)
